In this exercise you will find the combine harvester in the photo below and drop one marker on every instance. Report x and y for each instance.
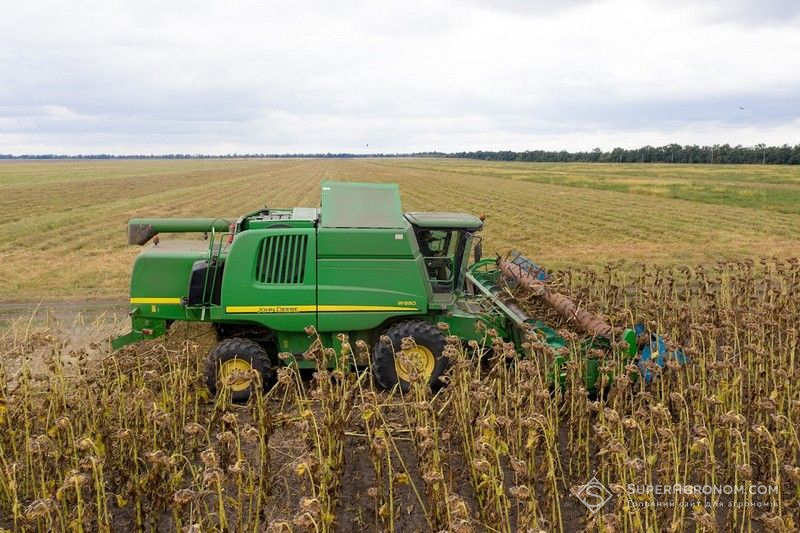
(360, 266)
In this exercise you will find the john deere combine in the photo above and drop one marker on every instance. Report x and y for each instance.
(357, 265)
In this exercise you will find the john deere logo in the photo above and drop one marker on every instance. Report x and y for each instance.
(594, 495)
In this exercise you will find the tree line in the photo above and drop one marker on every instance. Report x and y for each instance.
(670, 153)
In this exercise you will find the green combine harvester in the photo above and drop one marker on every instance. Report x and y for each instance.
(358, 265)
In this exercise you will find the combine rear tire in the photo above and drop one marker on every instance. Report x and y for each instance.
(389, 371)
(236, 354)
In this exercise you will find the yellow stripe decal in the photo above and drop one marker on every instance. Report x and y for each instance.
(339, 308)
(312, 308)
(155, 300)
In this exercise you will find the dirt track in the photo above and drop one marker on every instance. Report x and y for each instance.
(64, 311)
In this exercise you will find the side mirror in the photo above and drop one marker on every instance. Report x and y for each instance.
(477, 251)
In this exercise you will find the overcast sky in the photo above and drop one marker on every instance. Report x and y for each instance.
(151, 76)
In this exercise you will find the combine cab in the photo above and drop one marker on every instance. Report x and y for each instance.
(358, 265)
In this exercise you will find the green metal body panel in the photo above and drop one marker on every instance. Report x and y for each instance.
(367, 276)
(160, 278)
(280, 306)
(362, 243)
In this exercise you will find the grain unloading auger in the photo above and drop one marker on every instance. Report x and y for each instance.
(357, 266)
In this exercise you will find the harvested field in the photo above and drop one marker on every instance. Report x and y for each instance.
(62, 234)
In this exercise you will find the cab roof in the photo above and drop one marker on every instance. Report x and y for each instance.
(360, 205)
(429, 219)
(375, 205)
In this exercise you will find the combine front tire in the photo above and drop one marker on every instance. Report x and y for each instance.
(236, 357)
(391, 365)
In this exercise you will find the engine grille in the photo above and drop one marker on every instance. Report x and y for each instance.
(281, 259)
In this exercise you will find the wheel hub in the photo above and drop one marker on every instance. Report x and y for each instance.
(240, 369)
(418, 358)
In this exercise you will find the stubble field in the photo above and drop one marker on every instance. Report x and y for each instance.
(62, 230)
(92, 440)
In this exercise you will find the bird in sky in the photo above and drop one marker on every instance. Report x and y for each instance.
(741, 108)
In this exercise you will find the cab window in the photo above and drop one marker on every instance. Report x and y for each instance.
(439, 248)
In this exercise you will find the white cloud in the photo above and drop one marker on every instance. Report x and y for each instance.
(147, 76)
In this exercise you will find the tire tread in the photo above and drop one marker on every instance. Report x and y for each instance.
(245, 349)
(383, 369)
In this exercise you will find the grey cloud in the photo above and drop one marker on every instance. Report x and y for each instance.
(744, 12)
(399, 76)
(531, 7)
(758, 109)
